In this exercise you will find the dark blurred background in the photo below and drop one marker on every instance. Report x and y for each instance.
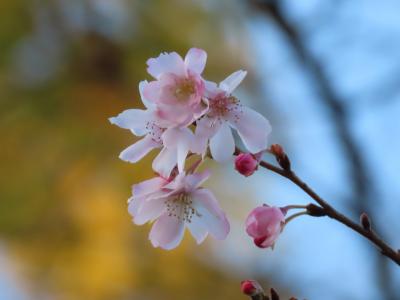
(325, 73)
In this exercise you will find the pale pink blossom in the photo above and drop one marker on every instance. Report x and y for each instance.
(178, 90)
(225, 113)
(264, 224)
(174, 204)
(175, 143)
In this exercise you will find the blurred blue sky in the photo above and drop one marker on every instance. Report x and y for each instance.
(358, 44)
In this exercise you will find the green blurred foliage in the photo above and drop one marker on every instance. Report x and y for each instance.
(63, 190)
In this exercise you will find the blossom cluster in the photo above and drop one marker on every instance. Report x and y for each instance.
(187, 115)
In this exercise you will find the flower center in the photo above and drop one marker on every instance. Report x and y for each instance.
(222, 105)
(181, 207)
(184, 89)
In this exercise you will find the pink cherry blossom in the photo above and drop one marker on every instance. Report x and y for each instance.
(179, 88)
(174, 204)
(264, 224)
(141, 123)
(175, 142)
(226, 112)
(246, 164)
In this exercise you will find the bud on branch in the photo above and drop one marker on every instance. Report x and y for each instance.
(365, 221)
(274, 294)
(281, 157)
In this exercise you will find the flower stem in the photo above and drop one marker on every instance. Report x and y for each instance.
(295, 216)
(331, 212)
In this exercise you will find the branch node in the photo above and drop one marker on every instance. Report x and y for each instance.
(365, 221)
(280, 156)
(274, 294)
(315, 210)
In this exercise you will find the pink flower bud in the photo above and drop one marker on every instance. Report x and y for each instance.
(251, 287)
(264, 224)
(246, 164)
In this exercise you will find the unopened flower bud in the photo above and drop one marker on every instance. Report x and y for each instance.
(246, 164)
(365, 222)
(264, 224)
(281, 157)
(251, 287)
(274, 294)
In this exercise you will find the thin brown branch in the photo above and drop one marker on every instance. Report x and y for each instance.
(331, 212)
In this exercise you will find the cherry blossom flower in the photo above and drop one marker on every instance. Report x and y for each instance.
(264, 224)
(178, 89)
(175, 142)
(226, 112)
(175, 204)
(141, 123)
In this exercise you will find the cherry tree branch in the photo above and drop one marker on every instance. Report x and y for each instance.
(331, 212)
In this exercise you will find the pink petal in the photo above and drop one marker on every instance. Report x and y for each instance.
(134, 119)
(167, 232)
(178, 183)
(210, 213)
(152, 91)
(147, 103)
(195, 180)
(230, 83)
(253, 129)
(166, 63)
(222, 144)
(149, 211)
(138, 150)
(264, 221)
(195, 60)
(173, 115)
(165, 161)
(148, 186)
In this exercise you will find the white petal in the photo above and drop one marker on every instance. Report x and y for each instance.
(167, 232)
(166, 63)
(195, 60)
(211, 214)
(134, 119)
(138, 150)
(253, 129)
(134, 205)
(165, 161)
(148, 186)
(182, 152)
(146, 102)
(197, 229)
(193, 181)
(222, 144)
(174, 136)
(149, 211)
(204, 131)
(232, 81)
(179, 139)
